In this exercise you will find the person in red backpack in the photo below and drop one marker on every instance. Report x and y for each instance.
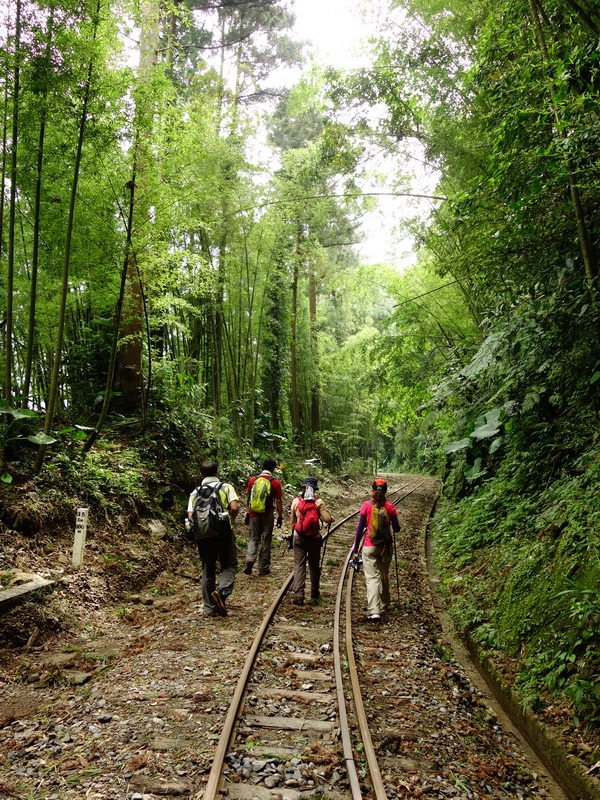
(378, 518)
(306, 514)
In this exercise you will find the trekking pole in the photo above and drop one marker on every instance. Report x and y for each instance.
(396, 563)
(325, 547)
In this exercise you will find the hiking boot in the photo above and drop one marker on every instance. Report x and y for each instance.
(315, 601)
(265, 572)
(248, 567)
(219, 602)
(297, 601)
(373, 618)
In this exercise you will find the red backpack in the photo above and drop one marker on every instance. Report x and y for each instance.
(309, 522)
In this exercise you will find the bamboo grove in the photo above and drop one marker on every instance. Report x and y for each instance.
(178, 229)
(147, 253)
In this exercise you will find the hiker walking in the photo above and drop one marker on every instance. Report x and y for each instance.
(306, 514)
(212, 507)
(264, 497)
(378, 517)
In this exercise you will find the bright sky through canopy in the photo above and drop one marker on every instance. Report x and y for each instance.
(338, 31)
(334, 26)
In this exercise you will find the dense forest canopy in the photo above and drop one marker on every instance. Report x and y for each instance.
(178, 253)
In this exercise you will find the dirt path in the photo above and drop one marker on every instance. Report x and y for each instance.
(128, 702)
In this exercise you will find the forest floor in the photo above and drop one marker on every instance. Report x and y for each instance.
(116, 684)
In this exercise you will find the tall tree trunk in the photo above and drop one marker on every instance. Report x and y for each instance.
(315, 388)
(32, 331)
(129, 364)
(10, 271)
(67, 257)
(295, 399)
(220, 355)
(218, 329)
(4, 154)
(275, 305)
(117, 325)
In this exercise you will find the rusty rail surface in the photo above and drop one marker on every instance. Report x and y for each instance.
(215, 778)
(361, 716)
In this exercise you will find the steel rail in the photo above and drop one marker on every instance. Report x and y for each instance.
(359, 707)
(211, 790)
(215, 777)
(339, 687)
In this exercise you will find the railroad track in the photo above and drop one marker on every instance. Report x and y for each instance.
(296, 720)
(287, 734)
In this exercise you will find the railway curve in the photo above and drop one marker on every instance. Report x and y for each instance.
(383, 745)
(159, 680)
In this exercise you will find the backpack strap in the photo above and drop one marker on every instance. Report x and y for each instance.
(298, 523)
(214, 488)
(256, 477)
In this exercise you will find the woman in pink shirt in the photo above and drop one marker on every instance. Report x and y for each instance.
(378, 517)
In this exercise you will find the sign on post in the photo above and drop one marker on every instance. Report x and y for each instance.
(80, 533)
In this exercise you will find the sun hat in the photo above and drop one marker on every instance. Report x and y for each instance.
(310, 482)
(379, 485)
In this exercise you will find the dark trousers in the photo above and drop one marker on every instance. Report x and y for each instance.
(221, 549)
(307, 549)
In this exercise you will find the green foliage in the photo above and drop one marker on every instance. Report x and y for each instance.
(571, 662)
(517, 535)
(424, 332)
(111, 476)
(275, 343)
(523, 572)
(184, 426)
(12, 432)
(116, 564)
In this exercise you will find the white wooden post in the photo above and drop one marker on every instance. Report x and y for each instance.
(80, 533)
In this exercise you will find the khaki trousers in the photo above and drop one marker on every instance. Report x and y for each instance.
(376, 565)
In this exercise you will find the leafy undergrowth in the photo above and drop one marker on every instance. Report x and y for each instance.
(522, 574)
(135, 500)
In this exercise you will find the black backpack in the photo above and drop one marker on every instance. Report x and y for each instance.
(209, 518)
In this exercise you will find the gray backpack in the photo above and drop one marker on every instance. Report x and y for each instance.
(209, 518)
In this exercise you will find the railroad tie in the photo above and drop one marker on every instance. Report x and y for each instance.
(289, 723)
